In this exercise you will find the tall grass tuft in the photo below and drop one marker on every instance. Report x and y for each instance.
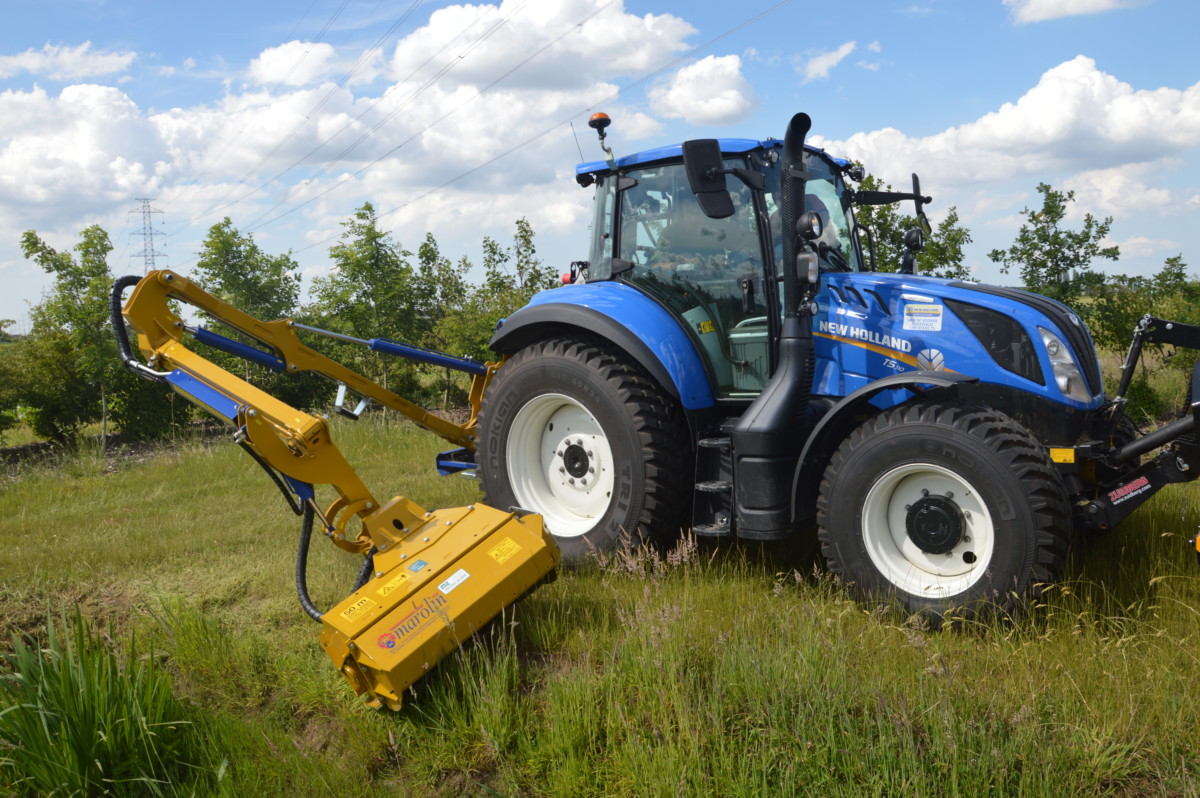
(77, 718)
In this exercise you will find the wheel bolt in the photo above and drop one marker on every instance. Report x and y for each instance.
(924, 492)
(562, 470)
(571, 481)
(949, 494)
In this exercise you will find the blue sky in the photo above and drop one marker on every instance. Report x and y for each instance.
(288, 116)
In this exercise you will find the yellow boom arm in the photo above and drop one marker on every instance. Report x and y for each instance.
(436, 576)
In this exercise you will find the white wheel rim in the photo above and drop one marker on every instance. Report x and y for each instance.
(560, 464)
(901, 561)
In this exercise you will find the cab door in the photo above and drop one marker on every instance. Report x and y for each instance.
(708, 272)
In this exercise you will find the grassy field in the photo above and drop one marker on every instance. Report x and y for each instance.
(716, 670)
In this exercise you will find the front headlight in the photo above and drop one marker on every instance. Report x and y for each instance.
(1066, 372)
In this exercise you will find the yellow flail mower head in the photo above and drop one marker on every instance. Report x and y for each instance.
(430, 579)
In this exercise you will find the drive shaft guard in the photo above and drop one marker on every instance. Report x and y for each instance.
(438, 585)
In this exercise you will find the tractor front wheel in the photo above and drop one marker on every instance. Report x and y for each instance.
(941, 506)
(569, 428)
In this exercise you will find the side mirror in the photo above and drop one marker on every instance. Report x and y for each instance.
(706, 177)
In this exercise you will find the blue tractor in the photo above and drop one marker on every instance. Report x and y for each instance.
(730, 361)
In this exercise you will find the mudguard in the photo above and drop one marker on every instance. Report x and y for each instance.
(624, 316)
(916, 382)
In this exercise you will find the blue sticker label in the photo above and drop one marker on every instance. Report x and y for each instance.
(418, 565)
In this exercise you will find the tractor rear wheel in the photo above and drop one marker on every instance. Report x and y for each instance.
(572, 430)
(943, 506)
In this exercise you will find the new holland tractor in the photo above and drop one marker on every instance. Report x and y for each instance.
(727, 361)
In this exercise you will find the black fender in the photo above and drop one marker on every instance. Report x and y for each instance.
(844, 416)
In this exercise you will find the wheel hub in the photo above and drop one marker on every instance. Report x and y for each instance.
(935, 524)
(576, 460)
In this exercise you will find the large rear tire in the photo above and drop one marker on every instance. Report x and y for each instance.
(943, 506)
(572, 430)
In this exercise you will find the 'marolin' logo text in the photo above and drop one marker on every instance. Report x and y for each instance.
(421, 616)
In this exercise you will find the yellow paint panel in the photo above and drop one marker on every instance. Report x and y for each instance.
(1062, 455)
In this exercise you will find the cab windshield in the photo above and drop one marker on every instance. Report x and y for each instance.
(825, 193)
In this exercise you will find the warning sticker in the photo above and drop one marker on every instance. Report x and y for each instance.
(358, 609)
(927, 318)
(456, 579)
(392, 584)
(503, 552)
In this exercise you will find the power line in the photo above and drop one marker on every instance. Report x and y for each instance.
(565, 121)
(551, 128)
(454, 61)
(258, 225)
(270, 94)
(341, 83)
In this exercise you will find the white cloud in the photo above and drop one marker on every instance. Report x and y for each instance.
(1042, 10)
(572, 41)
(1077, 117)
(293, 64)
(61, 62)
(711, 91)
(1141, 246)
(1117, 192)
(819, 66)
(875, 47)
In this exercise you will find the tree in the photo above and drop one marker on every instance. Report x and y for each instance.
(76, 313)
(68, 371)
(1052, 260)
(441, 287)
(943, 253)
(512, 275)
(232, 267)
(372, 292)
(1118, 304)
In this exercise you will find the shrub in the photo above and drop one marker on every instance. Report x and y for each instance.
(78, 719)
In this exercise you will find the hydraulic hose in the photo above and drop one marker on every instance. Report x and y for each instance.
(118, 325)
(306, 602)
(306, 526)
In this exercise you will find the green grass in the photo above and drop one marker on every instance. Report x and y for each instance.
(720, 670)
(77, 719)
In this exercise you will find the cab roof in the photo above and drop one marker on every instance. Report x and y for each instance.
(675, 152)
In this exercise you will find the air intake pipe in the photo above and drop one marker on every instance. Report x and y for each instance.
(768, 438)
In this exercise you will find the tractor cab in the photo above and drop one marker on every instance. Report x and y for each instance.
(719, 274)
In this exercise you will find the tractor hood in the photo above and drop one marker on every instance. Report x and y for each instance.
(871, 325)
